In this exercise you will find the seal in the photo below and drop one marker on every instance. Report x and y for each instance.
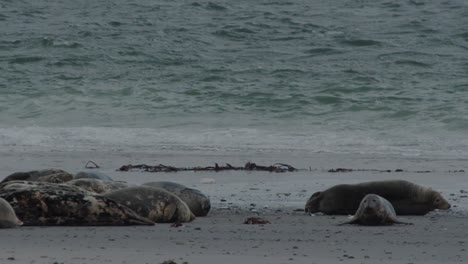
(93, 175)
(8, 217)
(406, 197)
(47, 204)
(47, 175)
(198, 203)
(155, 204)
(96, 185)
(375, 210)
(59, 177)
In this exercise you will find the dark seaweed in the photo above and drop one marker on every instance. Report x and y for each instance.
(249, 166)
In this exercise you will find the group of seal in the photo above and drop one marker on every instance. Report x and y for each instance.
(38, 198)
(406, 197)
(388, 199)
(45, 204)
(56, 197)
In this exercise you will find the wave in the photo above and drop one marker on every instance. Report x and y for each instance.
(227, 140)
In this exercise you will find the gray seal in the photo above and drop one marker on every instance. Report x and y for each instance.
(47, 175)
(375, 210)
(96, 185)
(47, 204)
(198, 203)
(155, 204)
(93, 175)
(8, 217)
(406, 197)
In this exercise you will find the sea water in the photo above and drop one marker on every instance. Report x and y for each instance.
(347, 76)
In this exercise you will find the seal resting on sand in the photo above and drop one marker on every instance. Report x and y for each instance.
(96, 185)
(198, 203)
(47, 204)
(375, 210)
(155, 204)
(407, 198)
(93, 175)
(47, 175)
(8, 217)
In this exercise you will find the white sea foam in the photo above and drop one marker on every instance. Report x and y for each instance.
(222, 140)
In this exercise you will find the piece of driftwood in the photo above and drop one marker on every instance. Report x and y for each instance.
(249, 166)
(91, 165)
(256, 221)
(377, 170)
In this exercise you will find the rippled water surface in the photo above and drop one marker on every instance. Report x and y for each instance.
(342, 76)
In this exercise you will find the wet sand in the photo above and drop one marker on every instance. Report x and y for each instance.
(292, 236)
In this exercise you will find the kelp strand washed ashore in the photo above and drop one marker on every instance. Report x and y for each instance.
(250, 166)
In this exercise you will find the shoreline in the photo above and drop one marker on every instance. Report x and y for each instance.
(292, 236)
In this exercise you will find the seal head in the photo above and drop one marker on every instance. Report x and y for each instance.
(375, 210)
(8, 217)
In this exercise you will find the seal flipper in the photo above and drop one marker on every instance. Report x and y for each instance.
(132, 218)
(393, 220)
(353, 221)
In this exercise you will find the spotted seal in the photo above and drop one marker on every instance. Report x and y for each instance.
(155, 204)
(198, 203)
(8, 217)
(375, 210)
(47, 204)
(96, 185)
(406, 197)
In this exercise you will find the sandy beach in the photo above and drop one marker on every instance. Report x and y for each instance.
(344, 91)
(292, 236)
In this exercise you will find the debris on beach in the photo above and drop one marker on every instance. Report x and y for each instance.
(169, 262)
(340, 170)
(344, 170)
(91, 165)
(177, 225)
(256, 221)
(207, 181)
(351, 170)
(172, 262)
(249, 166)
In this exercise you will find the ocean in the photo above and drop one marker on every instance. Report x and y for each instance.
(338, 76)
